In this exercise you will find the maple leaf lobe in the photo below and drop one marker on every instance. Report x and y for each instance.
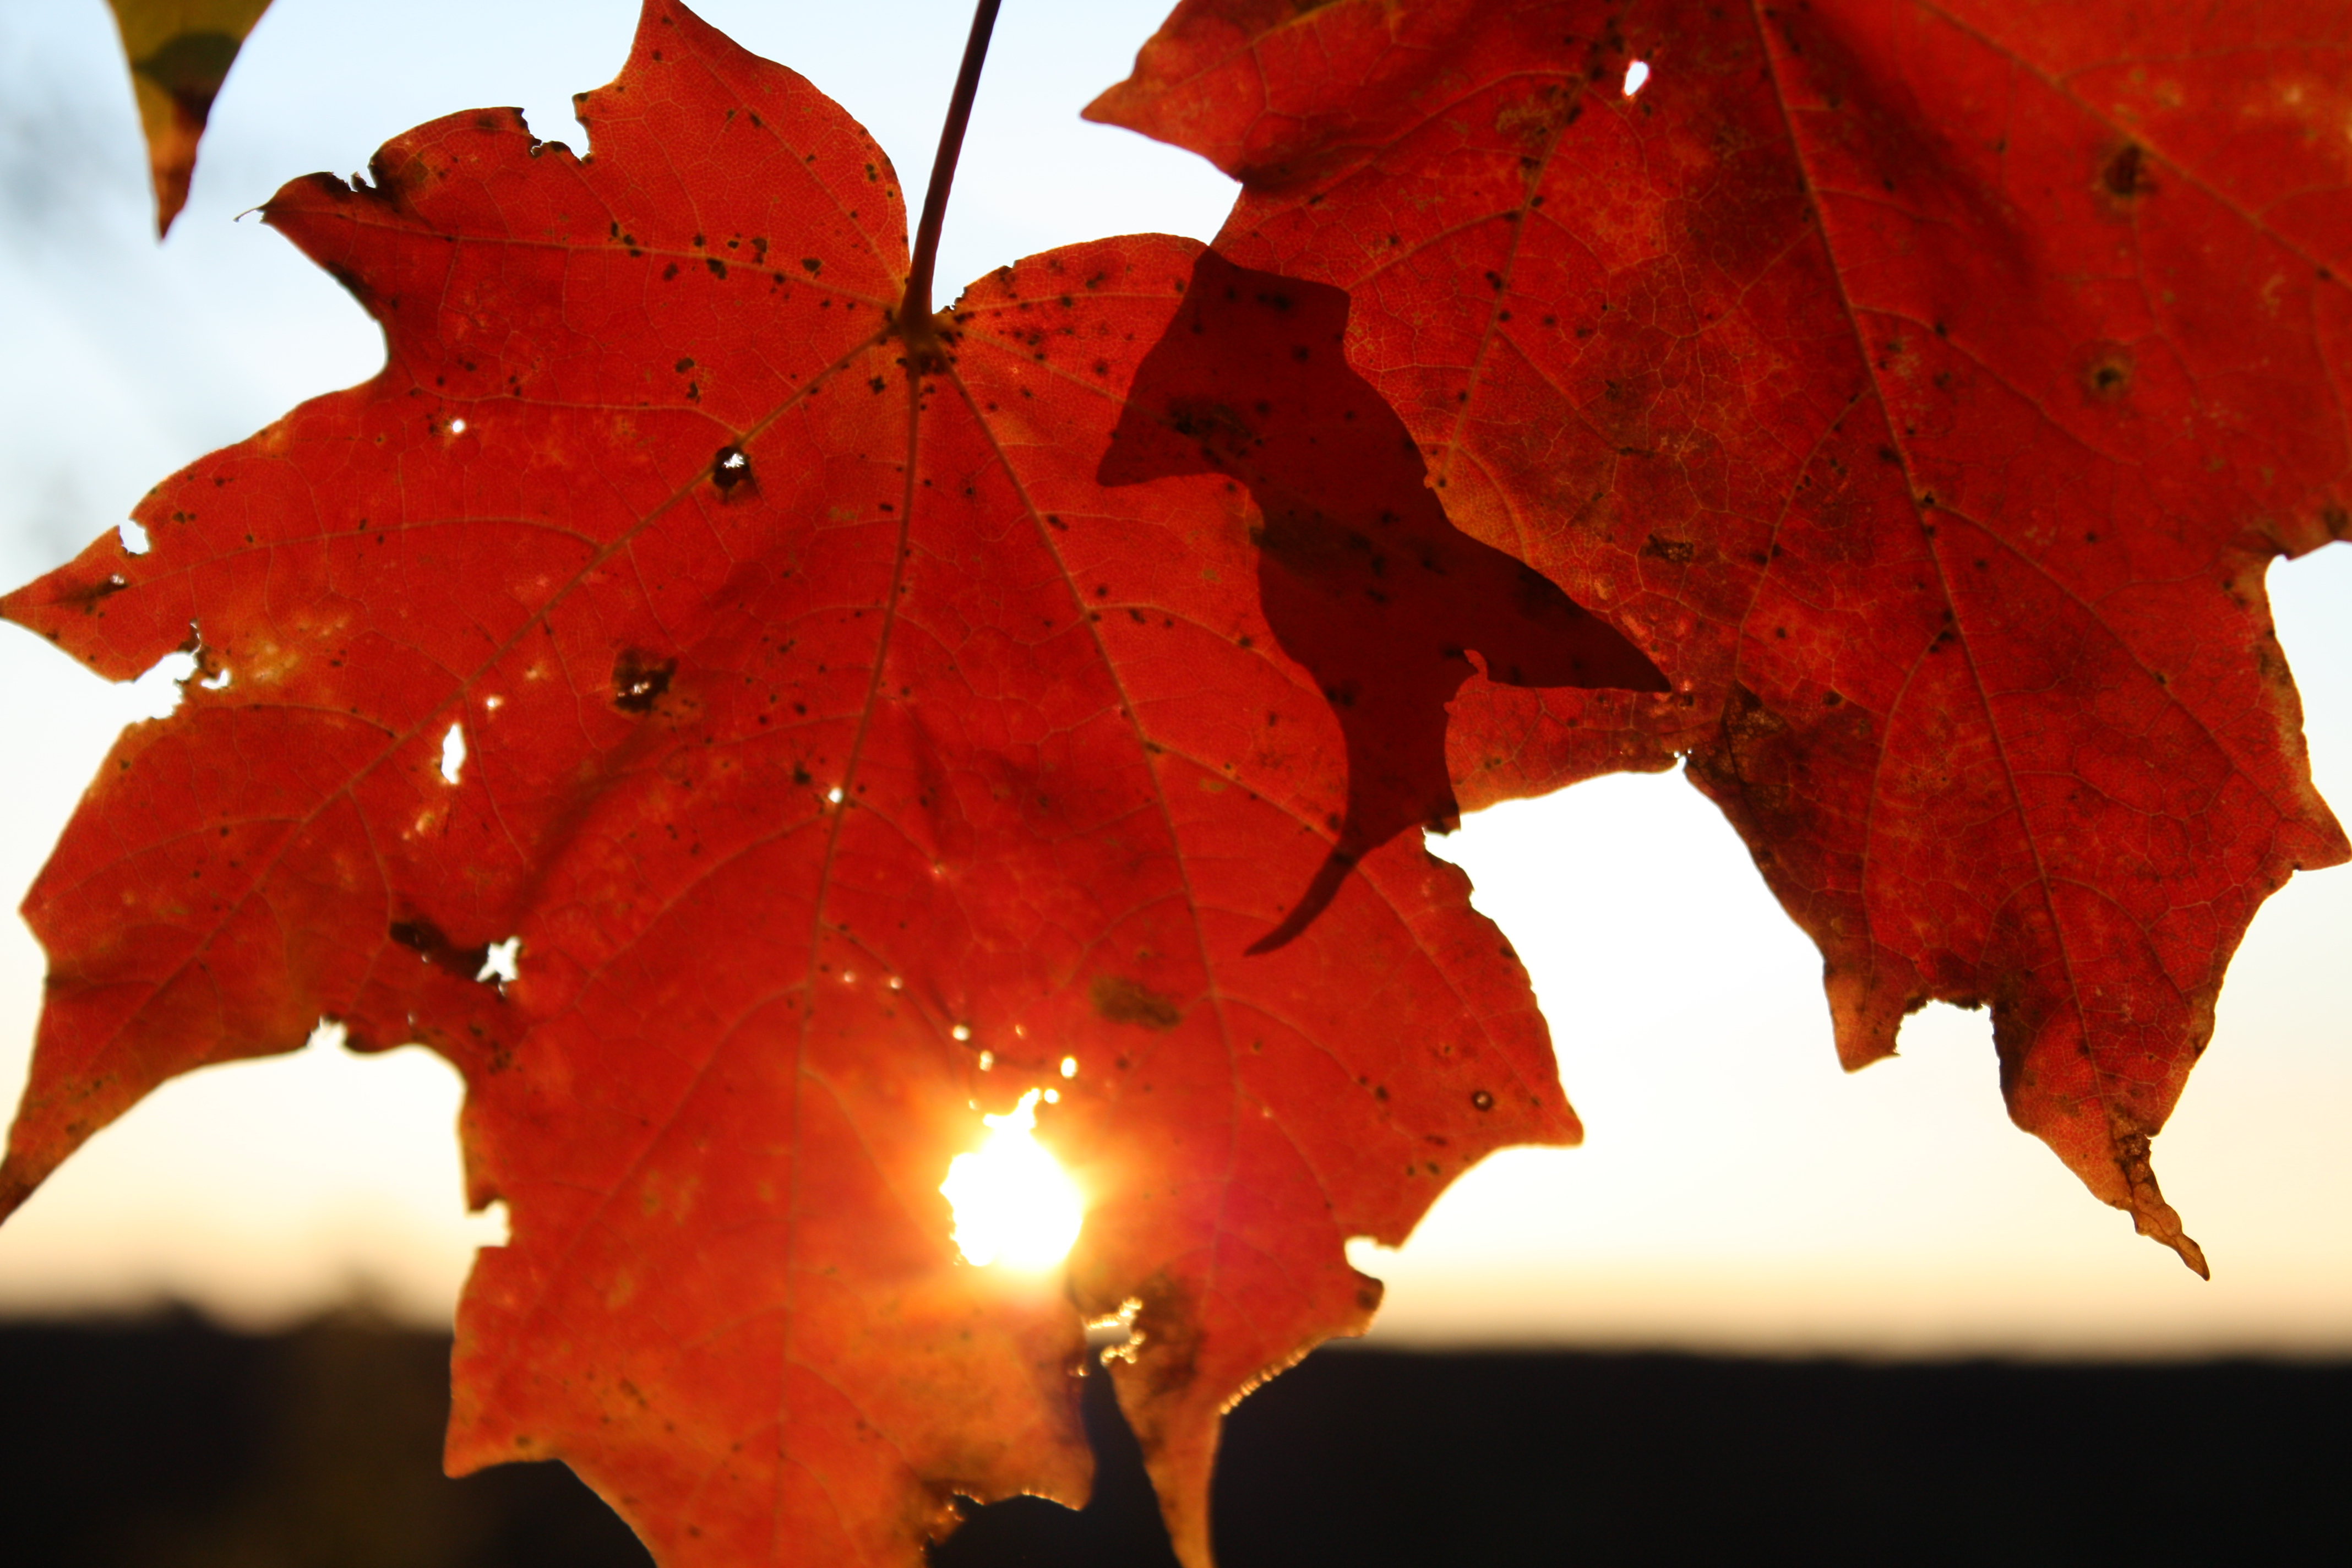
(639, 680)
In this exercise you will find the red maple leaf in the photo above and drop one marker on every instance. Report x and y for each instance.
(848, 733)
(1926, 388)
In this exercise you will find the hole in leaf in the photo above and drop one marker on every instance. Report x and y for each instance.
(134, 536)
(729, 467)
(163, 686)
(1012, 1203)
(502, 961)
(452, 754)
(638, 681)
(1637, 75)
(1114, 1334)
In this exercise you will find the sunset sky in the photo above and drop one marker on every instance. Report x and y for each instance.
(1736, 1190)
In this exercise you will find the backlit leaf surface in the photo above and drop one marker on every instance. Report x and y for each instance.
(843, 750)
(179, 52)
(1926, 388)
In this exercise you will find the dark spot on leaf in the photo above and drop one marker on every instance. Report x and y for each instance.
(1120, 1000)
(2125, 175)
(2104, 372)
(87, 597)
(638, 681)
(430, 942)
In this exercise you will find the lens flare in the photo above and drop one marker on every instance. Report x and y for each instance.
(1012, 1203)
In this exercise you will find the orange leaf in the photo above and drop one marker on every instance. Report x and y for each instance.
(1927, 389)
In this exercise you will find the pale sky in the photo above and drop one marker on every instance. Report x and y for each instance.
(1736, 1190)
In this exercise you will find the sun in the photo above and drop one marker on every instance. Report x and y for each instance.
(1012, 1203)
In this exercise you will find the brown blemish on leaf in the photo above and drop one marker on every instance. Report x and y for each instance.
(1119, 1000)
(2125, 175)
(2151, 1216)
(638, 681)
(89, 595)
(430, 942)
(2106, 372)
(1166, 1335)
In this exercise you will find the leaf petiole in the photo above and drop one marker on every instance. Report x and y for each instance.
(915, 310)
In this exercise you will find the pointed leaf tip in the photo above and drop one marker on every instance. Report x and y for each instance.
(14, 1190)
(179, 52)
(2151, 1216)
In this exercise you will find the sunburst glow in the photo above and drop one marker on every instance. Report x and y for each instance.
(1012, 1203)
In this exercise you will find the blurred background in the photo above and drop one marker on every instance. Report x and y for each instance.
(1738, 1194)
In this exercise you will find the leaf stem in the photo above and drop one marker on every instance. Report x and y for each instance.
(915, 310)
